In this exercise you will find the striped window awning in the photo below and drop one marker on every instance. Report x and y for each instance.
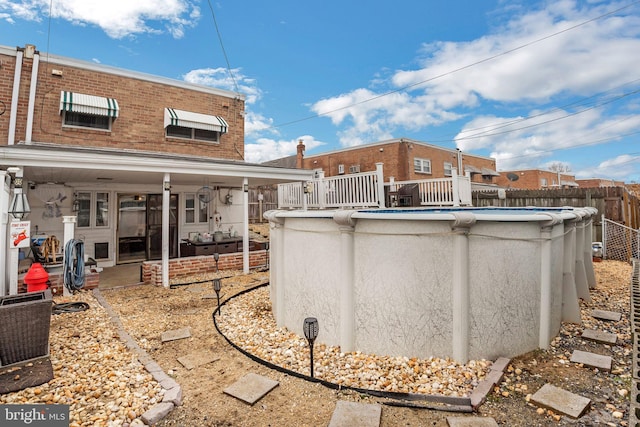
(489, 172)
(173, 117)
(88, 104)
(471, 169)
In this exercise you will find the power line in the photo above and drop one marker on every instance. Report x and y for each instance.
(448, 73)
(224, 52)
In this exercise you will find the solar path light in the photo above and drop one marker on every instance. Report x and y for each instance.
(217, 284)
(310, 328)
(216, 257)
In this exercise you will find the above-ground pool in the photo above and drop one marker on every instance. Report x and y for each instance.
(464, 283)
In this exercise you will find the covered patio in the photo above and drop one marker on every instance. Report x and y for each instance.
(70, 171)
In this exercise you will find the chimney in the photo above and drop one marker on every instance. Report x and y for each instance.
(300, 154)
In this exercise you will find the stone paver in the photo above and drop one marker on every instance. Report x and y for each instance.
(196, 359)
(600, 336)
(471, 422)
(156, 413)
(349, 414)
(592, 360)
(176, 334)
(560, 400)
(606, 315)
(251, 388)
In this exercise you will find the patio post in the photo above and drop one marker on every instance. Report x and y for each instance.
(166, 198)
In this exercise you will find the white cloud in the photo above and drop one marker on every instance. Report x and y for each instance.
(460, 79)
(618, 168)
(221, 79)
(265, 149)
(117, 18)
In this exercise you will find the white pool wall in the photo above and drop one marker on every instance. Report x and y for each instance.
(465, 284)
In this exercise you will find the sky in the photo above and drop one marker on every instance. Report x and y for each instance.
(533, 84)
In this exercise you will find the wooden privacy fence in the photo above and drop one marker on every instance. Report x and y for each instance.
(617, 204)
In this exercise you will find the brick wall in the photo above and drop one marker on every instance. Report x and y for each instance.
(189, 266)
(397, 157)
(532, 179)
(140, 124)
(56, 280)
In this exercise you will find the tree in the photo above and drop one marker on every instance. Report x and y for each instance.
(559, 167)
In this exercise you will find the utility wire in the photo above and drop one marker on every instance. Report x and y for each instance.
(448, 73)
(224, 52)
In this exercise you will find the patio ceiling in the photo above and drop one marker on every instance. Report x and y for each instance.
(52, 163)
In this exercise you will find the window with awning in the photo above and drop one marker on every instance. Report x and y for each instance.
(89, 111)
(190, 125)
(88, 104)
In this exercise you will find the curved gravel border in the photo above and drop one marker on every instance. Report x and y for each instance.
(447, 403)
(173, 391)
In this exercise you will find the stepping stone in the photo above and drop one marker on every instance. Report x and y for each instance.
(176, 334)
(349, 414)
(600, 336)
(471, 422)
(606, 315)
(196, 359)
(560, 400)
(592, 360)
(251, 388)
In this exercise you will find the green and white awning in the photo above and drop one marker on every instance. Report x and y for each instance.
(88, 104)
(187, 119)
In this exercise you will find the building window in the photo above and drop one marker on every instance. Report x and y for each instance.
(87, 111)
(422, 165)
(98, 216)
(196, 212)
(543, 182)
(192, 133)
(102, 209)
(72, 119)
(447, 168)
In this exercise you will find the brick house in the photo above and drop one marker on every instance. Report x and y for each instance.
(535, 179)
(599, 183)
(404, 160)
(141, 161)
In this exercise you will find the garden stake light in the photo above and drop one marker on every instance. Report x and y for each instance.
(310, 328)
(216, 257)
(216, 287)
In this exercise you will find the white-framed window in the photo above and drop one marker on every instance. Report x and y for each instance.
(192, 133)
(421, 165)
(354, 169)
(92, 209)
(543, 182)
(447, 168)
(340, 169)
(195, 211)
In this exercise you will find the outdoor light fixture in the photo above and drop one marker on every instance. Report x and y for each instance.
(245, 187)
(76, 203)
(19, 207)
(310, 328)
(216, 257)
(217, 284)
(167, 186)
(266, 248)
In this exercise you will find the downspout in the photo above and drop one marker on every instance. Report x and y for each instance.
(166, 206)
(460, 285)
(32, 96)
(14, 97)
(245, 226)
(346, 226)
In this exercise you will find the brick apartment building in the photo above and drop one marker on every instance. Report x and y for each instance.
(142, 161)
(403, 159)
(535, 179)
(599, 183)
